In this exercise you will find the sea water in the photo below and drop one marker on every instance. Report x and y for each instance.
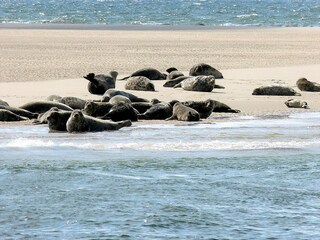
(159, 12)
(241, 178)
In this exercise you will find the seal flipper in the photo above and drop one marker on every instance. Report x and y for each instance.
(177, 85)
(91, 78)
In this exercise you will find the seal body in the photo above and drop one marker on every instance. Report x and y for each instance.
(175, 81)
(150, 73)
(4, 103)
(173, 73)
(295, 103)
(57, 120)
(158, 111)
(304, 85)
(96, 109)
(199, 84)
(100, 83)
(204, 108)
(43, 106)
(119, 98)
(42, 117)
(204, 69)
(184, 113)
(122, 111)
(73, 102)
(141, 107)
(8, 116)
(78, 122)
(113, 92)
(139, 83)
(275, 91)
(20, 111)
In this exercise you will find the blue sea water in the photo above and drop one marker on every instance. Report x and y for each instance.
(158, 12)
(241, 178)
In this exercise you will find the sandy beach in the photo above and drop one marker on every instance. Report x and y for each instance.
(36, 63)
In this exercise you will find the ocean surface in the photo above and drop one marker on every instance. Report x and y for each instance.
(223, 13)
(241, 178)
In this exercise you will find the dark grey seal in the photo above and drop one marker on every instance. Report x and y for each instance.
(199, 84)
(158, 111)
(151, 73)
(113, 92)
(100, 83)
(305, 85)
(73, 102)
(173, 73)
(97, 109)
(141, 107)
(20, 111)
(275, 91)
(122, 111)
(78, 122)
(204, 69)
(57, 120)
(43, 106)
(139, 83)
(8, 116)
(204, 108)
(181, 112)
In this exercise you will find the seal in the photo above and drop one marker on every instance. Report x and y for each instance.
(204, 69)
(42, 117)
(8, 116)
(173, 73)
(78, 122)
(183, 113)
(304, 85)
(175, 81)
(204, 108)
(73, 102)
(20, 111)
(119, 98)
(199, 84)
(43, 106)
(53, 97)
(97, 109)
(139, 83)
(57, 120)
(295, 103)
(4, 103)
(275, 91)
(141, 107)
(113, 92)
(158, 111)
(151, 73)
(100, 83)
(122, 111)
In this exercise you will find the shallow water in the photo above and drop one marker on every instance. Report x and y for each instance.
(239, 179)
(155, 12)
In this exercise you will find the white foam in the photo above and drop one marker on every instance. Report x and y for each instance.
(27, 143)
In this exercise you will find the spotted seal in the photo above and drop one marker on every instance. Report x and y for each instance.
(151, 73)
(43, 106)
(295, 103)
(199, 84)
(8, 116)
(100, 83)
(181, 112)
(158, 111)
(275, 91)
(305, 85)
(122, 111)
(204, 69)
(139, 83)
(97, 109)
(73, 102)
(141, 107)
(78, 122)
(57, 120)
(113, 92)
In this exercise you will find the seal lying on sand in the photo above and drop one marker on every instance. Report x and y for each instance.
(57, 120)
(175, 81)
(8, 116)
(97, 109)
(275, 91)
(119, 98)
(199, 83)
(204, 108)
(43, 106)
(19, 111)
(141, 107)
(151, 73)
(304, 85)
(139, 83)
(184, 113)
(122, 111)
(113, 92)
(98, 84)
(53, 97)
(82, 123)
(295, 103)
(173, 73)
(73, 102)
(158, 111)
(4, 103)
(204, 69)
(42, 118)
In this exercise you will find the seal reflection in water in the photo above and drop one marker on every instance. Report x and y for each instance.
(82, 123)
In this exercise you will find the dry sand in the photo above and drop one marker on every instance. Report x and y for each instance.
(38, 62)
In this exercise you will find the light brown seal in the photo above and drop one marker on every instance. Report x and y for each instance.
(78, 122)
(204, 69)
(304, 85)
(100, 83)
(275, 91)
(199, 84)
(139, 83)
(295, 103)
(181, 112)
(8, 116)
